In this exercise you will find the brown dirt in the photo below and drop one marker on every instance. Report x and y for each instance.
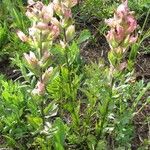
(143, 67)
(7, 70)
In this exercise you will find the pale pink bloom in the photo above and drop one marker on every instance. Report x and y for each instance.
(111, 39)
(47, 12)
(133, 39)
(110, 35)
(63, 45)
(29, 14)
(132, 23)
(115, 35)
(42, 26)
(66, 12)
(110, 22)
(39, 89)
(46, 75)
(55, 31)
(22, 36)
(113, 22)
(31, 2)
(45, 57)
(31, 59)
(119, 33)
(34, 10)
(56, 1)
(38, 5)
(55, 22)
(122, 9)
(122, 25)
(33, 31)
(27, 58)
(57, 7)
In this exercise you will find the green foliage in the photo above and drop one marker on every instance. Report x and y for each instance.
(96, 8)
(141, 7)
(21, 120)
(104, 8)
(11, 18)
(86, 106)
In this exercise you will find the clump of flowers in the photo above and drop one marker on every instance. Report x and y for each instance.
(47, 23)
(122, 31)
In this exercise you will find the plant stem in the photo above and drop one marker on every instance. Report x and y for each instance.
(69, 78)
(111, 82)
(41, 80)
(42, 113)
(67, 61)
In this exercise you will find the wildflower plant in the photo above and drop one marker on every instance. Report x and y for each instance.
(49, 23)
(44, 30)
(121, 34)
(66, 104)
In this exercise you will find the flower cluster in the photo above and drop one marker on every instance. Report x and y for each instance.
(48, 21)
(122, 26)
(63, 10)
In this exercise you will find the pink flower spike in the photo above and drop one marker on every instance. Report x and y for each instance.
(47, 74)
(122, 9)
(32, 56)
(42, 26)
(31, 59)
(48, 12)
(132, 24)
(55, 31)
(27, 58)
(57, 7)
(110, 22)
(55, 22)
(110, 35)
(39, 89)
(119, 33)
(66, 12)
(22, 36)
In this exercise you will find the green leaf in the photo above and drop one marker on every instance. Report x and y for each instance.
(91, 141)
(101, 145)
(103, 108)
(35, 121)
(51, 110)
(112, 58)
(84, 35)
(133, 53)
(12, 142)
(59, 135)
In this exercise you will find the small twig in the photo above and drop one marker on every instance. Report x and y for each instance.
(140, 67)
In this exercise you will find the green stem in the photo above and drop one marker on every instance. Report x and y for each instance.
(104, 117)
(40, 78)
(69, 78)
(42, 113)
(67, 61)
